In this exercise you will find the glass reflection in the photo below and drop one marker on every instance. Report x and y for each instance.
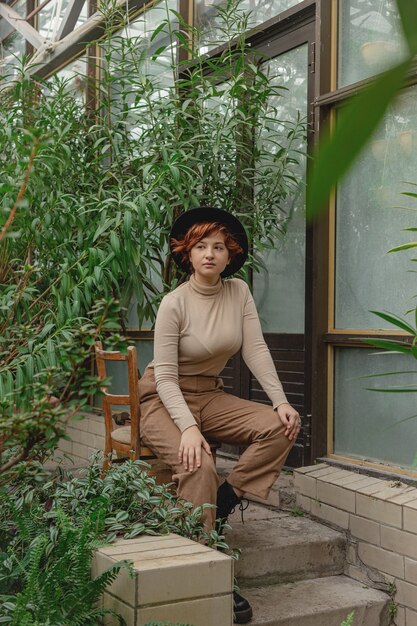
(12, 44)
(372, 425)
(50, 17)
(279, 290)
(370, 38)
(213, 26)
(137, 55)
(368, 224)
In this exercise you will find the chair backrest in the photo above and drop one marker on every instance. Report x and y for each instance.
(130, 399)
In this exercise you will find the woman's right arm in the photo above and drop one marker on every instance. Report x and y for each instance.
(167, 334)
(166, 342)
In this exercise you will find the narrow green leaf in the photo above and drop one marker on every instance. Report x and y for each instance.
(158, 29)
(408, 16)
(393, 346)
(355, 125)
(404, 246)
(396, 321)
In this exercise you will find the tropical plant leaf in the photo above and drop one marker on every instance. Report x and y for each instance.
(408, 16)
(396, 321)
(356, 122)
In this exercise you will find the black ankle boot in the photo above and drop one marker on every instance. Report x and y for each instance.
(242, 610)
(226, 503)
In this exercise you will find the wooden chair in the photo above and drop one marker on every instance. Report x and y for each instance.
(126, 439)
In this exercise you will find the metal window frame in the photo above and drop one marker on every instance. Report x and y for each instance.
(327, 338)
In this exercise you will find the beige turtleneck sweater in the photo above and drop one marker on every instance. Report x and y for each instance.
(198, 328)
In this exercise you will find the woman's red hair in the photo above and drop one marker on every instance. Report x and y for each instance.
(199, 231)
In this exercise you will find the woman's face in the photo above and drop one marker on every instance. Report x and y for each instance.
(209, 257)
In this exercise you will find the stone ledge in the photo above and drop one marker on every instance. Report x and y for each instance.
(172, 575)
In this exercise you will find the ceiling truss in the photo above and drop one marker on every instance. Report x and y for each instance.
(50, 54)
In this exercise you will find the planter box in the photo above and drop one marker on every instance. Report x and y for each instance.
(175, 579)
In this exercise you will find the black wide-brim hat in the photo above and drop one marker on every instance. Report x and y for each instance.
(210, 214)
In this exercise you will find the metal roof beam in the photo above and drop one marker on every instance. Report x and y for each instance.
(20, 24)
(56, 54)
(70, 18)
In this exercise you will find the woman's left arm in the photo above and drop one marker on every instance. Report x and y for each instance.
(258, 358)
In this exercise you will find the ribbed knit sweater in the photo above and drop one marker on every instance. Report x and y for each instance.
(198, 328)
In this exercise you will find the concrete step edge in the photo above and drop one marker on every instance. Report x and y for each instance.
(318, 602)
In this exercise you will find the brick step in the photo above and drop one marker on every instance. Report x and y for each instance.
(278, 547)
(317, 602)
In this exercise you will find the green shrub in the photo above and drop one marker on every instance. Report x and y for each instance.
(125, 502)
(54, 575)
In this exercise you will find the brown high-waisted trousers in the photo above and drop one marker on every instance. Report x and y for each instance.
(220, 417)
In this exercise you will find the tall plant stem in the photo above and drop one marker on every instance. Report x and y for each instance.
(21, 190)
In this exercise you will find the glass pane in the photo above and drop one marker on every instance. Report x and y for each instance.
(368, 224)
(50, 17)
(367, 424)
(141, 47)
(133, 61)
(279, 291)
(12, 44)
(211, 24)
(370, 38)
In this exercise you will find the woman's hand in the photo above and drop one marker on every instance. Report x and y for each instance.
(291, 419)
(189, 453)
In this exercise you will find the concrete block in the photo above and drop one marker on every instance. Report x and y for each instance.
(365, 529)
(305, 485)
(371, 488)
(114, 604)
(406, 595)
(391, 491)
(175, 578)
(364, 482)
(65, 445)
(330, 478)
(410, 618)
(378, 510)
(303, 502)
(330, 514)
(96, 427)
(324, 471)
(380, 559)
(338, 497)
(411, 571)
(199, 612)
(400, 617)
(407, 496)
(76, 435)
(410, 517)
(351, 480)
(80, 450)
(399, 541)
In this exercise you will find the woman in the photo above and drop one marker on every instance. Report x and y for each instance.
(199, 326)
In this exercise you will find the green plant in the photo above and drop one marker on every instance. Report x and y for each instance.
(56, 585)
(407, 346)
(50, 524)
(296, 512)
(349, 619)
(88, 200)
